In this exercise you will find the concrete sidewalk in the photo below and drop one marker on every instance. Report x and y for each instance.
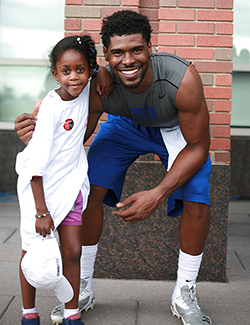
(136, 302)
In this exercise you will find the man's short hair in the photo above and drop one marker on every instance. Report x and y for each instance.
(125, 22)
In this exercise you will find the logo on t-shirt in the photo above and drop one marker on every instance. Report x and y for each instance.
(145, 113)
(68, 125)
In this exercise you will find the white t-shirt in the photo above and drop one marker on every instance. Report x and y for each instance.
(56, 153)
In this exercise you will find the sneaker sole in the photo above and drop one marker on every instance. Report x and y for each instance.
(90, 306)
(175, 313)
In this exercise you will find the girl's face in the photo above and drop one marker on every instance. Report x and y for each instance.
(72, 71)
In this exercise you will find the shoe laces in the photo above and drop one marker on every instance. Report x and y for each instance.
(189, 297)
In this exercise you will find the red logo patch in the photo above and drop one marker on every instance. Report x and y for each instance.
(68, 125)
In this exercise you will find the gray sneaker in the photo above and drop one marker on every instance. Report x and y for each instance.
(86, 301)
(185, 306)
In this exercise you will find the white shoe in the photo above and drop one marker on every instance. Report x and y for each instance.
(86, 301)
(185, 306)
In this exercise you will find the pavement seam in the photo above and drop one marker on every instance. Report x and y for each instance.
(5, 241)
(4, 311)
(241, 263)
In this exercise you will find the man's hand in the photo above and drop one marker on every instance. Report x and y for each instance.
(44, 225)
(104, 83)
(144, 203)
(25, 124)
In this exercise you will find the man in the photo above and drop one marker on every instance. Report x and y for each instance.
(161, 101)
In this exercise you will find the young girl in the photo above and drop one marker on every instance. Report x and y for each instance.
(53, 186)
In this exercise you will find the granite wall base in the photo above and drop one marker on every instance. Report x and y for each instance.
(149, 249)
(10, 145)
(240, 168)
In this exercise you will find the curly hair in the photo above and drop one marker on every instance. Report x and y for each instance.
(82, 44)
(125, 22)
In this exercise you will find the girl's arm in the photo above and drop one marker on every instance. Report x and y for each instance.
(44, 223)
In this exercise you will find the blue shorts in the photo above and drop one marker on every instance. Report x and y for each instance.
(118, 143)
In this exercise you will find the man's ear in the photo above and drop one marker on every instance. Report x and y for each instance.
(55, 75)
(105, 52)
(149, 48)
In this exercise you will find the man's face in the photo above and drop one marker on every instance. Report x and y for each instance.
(129, 59)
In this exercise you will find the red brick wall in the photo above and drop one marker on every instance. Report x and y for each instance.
(197, 30)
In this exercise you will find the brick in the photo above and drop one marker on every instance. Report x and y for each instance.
(224, 28)
(221, 131)
(225, 4)
(71, 33)
(217, 93)
(215, 41)
(90, 140)
(167, 27)
(104, 117)
(215, 15)
(73, 2)
(166, 49)
(196, 3)
(220, 118)
(224, 80)
(154, 40)
(82, 12)
(92, 24)
(168, 3)
(155, 27)
(152, 14)
(222, 105)
(207, 79)
(222, 157)
(194, 53)
(176, 40)
(197, 28)
(220, 144)
(130, 3)
(223, 67)
(223, 54)
(72, 24)
(149, 4)
(102, 2)
(177, 14)
(107, 11)
(209, 105)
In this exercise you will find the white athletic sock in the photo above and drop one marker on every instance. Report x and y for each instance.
(29, 311)
(87, 262)
(188, 268)
(70, 312)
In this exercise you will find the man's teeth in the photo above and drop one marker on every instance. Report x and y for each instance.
(129, 71)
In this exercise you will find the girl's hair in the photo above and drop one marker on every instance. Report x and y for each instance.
(82, 44)
(125, 22)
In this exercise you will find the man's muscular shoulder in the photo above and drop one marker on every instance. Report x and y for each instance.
(190, 93)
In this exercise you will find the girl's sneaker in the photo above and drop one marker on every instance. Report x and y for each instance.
(34, 321)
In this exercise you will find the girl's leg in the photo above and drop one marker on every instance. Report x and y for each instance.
(70, 240)
(28, 294)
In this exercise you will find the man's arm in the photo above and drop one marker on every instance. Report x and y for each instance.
(194, 123)
(25, 123)
(95, 110)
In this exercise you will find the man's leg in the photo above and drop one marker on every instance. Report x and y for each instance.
(193, 233)
(92, 226)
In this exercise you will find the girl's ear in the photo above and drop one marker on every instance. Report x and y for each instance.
(55, 75)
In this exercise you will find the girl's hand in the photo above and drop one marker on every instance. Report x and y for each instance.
(104, 82)
(44, 225)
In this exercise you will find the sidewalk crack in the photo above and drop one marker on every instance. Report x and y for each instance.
(239, 260)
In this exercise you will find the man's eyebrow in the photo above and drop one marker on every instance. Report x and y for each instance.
(133, 48)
